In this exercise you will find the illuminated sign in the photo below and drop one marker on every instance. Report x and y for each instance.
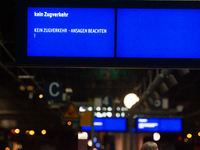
(133, 34)
(158, 33)
(70, 32)
(107, 124)
(159, 125)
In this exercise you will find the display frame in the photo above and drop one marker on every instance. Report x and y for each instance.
(23, 60)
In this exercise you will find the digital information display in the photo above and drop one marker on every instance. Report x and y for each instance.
(70, 32)
(133, 34)
(107, 124)
(159, 125)
(158, 33)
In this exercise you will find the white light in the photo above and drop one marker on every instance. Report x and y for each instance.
(156, 136)
(81, 109)
(123, 109)
(123, 114)
(89, 143)
(98, 123)
(142, 120)
(118, 108)
(82, 136)
(109, 114)
(117, 114)
(147, 125)
(89, 108)
(98, 114)
(109, 108)
(130, 100)
(104, 108)
(104, 114)
(98, 109)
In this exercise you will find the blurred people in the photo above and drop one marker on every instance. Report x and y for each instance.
(150, 145)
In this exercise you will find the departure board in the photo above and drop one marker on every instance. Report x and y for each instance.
(70, 32)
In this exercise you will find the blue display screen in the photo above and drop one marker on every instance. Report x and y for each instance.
(70, 32)
(158, 33)
(159, 125)
(107, 124)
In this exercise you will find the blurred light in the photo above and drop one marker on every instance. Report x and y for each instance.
(31, 132)
(118, 108)
(89, 143)
(13, 131)
(98, 114)
(17, 131)
(123, 114)
(89, 108)
(22, 88)
(198, 133)
(102, 147)
(27, 132)
(95, 140)
(41, 96)
(19, 146)
(109, 108)
(94, 148)
(185, 140)
(69, 123)
(44, 132)
(98, 145)
(25, 76)
(68, 90)
(189, 135)
(30, 87)
(104, 108)
(81, 109)
(109, 114)
(7, 148)
(130, 100)
(98, 109)
(104, 114)
(117, 114)
(156, 136)
(180, 138)
(83, 136)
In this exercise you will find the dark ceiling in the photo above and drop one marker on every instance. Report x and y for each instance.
(86, 83)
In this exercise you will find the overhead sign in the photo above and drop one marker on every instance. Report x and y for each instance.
(148, 34)
(70, 113)
(53, 91)
(159, 124)
(108, 124)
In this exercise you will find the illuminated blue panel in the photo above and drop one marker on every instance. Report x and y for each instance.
(158, 33)
(159, 125)
(115, 124)
(70, 32)
(107, 124)
(148, 124)
(170, 125)
(98, 124)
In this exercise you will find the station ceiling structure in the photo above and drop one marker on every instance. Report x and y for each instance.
(180, 86)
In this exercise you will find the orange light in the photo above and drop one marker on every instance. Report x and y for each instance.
(43, 132)
(17, 131)
(13, 131)
(189, 135)
(31, 132)
(27, 132)
(7, 148)
(198, 133)
(69, 123)
(41, 96)
(185, 140)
